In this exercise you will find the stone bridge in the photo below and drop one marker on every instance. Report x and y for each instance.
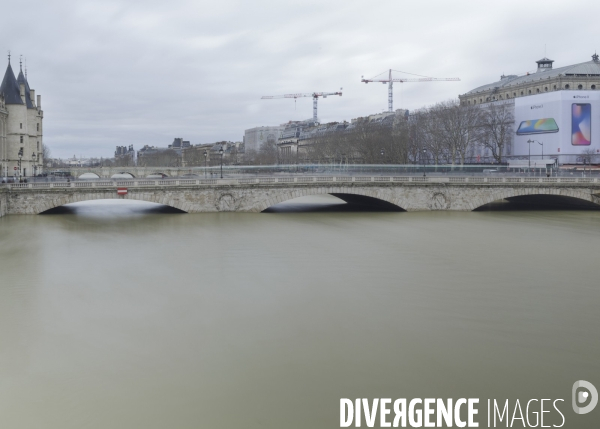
(258, 194)
(136, 172)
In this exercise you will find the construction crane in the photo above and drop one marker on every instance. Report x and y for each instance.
(315, 96)
(390, 81)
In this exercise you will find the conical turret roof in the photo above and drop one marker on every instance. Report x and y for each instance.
(22, 80)
(10, 87)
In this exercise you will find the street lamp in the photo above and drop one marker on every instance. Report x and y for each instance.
(20, 156)
(205, 158)
(540, 143)
(33, 158)
(424, 157)
(221, 153)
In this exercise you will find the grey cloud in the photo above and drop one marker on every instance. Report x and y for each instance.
(143, 72)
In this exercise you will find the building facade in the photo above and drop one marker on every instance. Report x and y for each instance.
(554, 110)
(255, 137)
(21, 126)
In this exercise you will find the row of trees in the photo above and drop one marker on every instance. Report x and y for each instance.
(449, 133)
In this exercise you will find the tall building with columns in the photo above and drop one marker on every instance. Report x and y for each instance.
(21, 128)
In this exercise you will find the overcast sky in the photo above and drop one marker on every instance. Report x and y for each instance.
(143, 72)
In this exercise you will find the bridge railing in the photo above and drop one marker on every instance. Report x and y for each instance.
(324, 180)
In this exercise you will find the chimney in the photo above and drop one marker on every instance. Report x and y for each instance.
(32, 95)
(39, 101)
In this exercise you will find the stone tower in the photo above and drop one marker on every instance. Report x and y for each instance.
(21, 129)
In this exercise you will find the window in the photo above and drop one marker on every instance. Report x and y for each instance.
(21, 125)
(38, 127)
(38, 146)
(555, 87)
(529, 91)
(579, 86)
(514, 94)
(21, 139)
(593, 86)
(521, 92)
(545, 88)
(537, 90)
(567, 86)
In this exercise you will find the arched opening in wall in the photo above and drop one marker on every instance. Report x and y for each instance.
(112, 209)
(579, 86)
(567, 86)
(89, 176)
(122, 175)
(333, 203)
(538, 202)
(593, 86)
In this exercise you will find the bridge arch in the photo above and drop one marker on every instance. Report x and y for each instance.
(121, 174)
(89, 175)
(48, 204)
(561, 194)
(367, 196)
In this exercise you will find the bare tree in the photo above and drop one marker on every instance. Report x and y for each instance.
(495, 130)
(267, 153)
(161, 158)
(457, 126)
(427, 134)
(46, 155)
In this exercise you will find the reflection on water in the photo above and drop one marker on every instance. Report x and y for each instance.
(112, 316)
(105, 208)
(539, 202)
(329, 204)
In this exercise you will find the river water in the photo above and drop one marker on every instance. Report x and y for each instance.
(130, 316)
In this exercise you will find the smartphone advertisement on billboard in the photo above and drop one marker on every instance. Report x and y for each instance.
(566, 122)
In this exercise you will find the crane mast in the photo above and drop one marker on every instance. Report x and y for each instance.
(390, 81)
(315, 96)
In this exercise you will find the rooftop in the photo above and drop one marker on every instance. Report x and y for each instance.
(545, 71)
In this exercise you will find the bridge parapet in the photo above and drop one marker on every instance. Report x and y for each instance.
(467, 180)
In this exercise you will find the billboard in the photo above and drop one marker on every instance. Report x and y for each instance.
(566, 122)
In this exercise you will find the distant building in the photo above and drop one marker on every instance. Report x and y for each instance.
(21, 128)
(77, 162)
(179, 144)
(123, 151)
(255, 137)
(208, 154)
